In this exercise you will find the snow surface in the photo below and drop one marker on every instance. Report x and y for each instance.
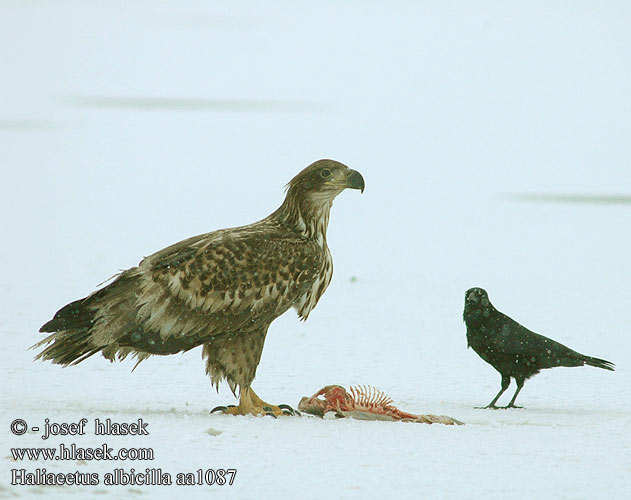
(127, 126)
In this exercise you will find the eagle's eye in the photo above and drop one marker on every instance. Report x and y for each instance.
(325, 172)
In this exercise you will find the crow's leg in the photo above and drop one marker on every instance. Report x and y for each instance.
(505, 384)
(520, 384)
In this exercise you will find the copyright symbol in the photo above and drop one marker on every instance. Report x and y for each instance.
(18, 427)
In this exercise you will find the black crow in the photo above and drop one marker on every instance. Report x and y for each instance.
(512, 349)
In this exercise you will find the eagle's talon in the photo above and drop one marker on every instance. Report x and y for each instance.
(222, 409)
(288, 408)
(269, 413)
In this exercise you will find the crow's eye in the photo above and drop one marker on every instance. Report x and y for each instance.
(325, 172)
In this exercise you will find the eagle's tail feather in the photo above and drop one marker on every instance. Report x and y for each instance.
(73, 316)
(73, 337)
(71, 331)
(67, 347)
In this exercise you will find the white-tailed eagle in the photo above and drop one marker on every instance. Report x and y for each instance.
(220, 290)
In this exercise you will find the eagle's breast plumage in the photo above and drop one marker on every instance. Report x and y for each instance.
(232, 281)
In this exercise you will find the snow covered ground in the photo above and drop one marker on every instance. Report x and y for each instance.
(127, 126)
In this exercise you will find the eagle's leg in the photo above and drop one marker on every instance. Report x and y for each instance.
(251, 404)
(269, 408)
(235, 358)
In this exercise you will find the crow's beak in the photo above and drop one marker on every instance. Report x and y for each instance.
(354, 180)
(472, 297)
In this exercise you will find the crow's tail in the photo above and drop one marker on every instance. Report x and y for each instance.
(599, 363)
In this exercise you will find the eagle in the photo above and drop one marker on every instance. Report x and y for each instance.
(219, 290)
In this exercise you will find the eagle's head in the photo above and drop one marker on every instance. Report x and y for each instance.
(311, 193)
(477, 306)
(324, 180)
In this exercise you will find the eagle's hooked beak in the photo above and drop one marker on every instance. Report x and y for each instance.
(354, 180)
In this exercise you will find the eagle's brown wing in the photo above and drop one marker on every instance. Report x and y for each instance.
(221, 283)
(225, 283)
